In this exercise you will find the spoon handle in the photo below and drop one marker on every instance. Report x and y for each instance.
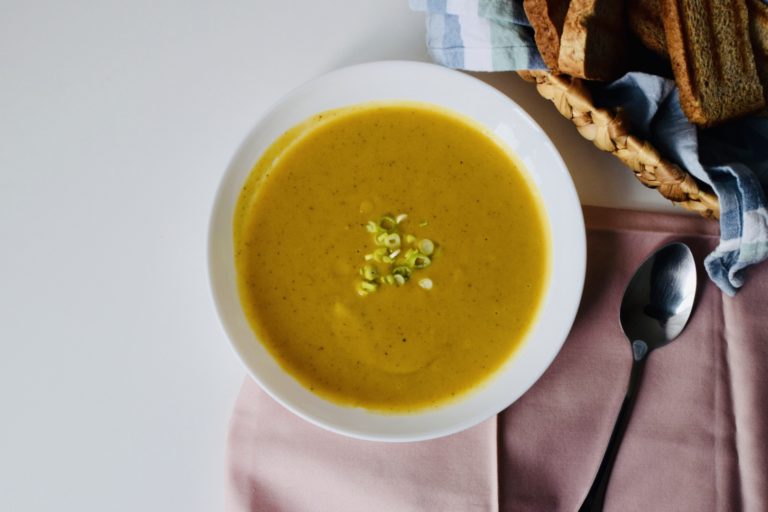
(596, 495)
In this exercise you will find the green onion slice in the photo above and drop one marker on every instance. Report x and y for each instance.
(421, 261)
(370, 273)
(388, 223)
(426, 246)
(392, 241)
(403, 271)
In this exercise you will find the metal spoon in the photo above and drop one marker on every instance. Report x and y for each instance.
(656, 306)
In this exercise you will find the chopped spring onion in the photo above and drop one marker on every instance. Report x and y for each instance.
(418, 260)
(410, 253)
(426, 246)
(405, 272)
(367, 287)
(379, 254)
(392, 241)
(369, 272)
(388, 223)
(421, 261)
(400, 253)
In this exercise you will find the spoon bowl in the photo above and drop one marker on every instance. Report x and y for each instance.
(659, 298)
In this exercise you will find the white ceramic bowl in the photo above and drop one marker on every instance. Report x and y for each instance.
(466, 95)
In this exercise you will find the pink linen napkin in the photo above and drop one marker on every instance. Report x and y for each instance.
(698, 438)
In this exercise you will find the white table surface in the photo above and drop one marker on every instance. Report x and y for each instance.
(117, 119)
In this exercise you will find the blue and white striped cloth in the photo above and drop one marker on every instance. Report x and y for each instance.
(479, 35)
(494, 35)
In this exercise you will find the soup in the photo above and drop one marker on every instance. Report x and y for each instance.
(390, 256)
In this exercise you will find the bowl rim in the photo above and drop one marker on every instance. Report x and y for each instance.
(577, 253)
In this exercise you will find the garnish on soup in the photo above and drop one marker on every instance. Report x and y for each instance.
(396, 257)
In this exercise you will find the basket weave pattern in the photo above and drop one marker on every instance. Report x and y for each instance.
(609, 131)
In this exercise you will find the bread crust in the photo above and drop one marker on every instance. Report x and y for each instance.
(645, 22)
(711, 54)
(758, 34)
(547, 18)
(593, 43)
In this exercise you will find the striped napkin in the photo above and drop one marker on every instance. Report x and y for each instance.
(479, 35)
(494, 35)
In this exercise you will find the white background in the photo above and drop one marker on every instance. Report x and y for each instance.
(117, 119)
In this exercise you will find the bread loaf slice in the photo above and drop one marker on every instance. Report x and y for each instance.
(711, 54)
(645, 23)
(547, 18)
(758, 33)
(593, 43)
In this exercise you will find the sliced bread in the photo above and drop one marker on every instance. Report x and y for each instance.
(758, 32)
(593, 43)
(547, 18)
(645, 23)
(709, 47)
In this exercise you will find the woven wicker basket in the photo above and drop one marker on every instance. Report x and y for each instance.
(608, 130)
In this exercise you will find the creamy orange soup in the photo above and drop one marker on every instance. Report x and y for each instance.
(316, 256)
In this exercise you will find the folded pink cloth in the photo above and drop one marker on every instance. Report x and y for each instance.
(697, 441)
